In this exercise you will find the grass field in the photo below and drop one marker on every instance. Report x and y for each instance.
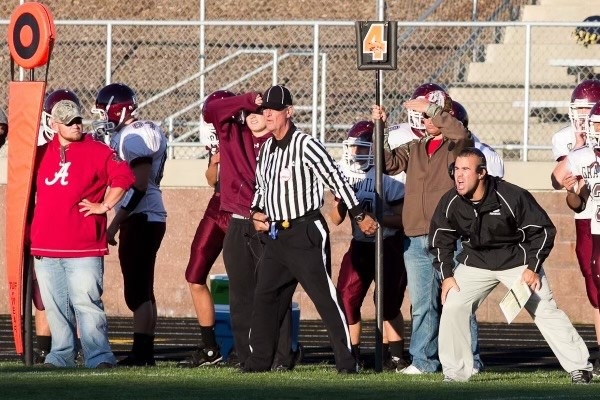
(312, 382)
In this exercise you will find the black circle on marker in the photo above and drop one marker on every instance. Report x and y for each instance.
(26, 52)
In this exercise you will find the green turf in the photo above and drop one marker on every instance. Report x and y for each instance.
(314, 382)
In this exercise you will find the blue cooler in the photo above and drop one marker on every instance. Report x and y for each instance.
(225, 337)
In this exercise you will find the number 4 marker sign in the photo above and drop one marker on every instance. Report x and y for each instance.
(376, 44)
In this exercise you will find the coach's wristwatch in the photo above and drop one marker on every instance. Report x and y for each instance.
(359, 217)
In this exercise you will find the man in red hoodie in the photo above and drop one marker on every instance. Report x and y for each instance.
(68, 235)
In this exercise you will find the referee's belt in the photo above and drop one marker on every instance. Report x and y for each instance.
(290, 223)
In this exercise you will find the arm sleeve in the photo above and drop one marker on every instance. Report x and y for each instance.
(396, 160)
(453, 130)
(329, 172)
(442, 239)
(222, 112)
(538, 230)
(119, 173)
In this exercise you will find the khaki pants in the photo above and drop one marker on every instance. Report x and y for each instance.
(475, 284)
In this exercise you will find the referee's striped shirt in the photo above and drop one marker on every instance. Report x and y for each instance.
(290, 175)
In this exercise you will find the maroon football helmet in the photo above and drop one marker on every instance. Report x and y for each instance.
(51, 99)
(357, 153)
(460, 113)
(434, 94)
(584, 96)
(593, 133)
(115, 104)
(217, 95)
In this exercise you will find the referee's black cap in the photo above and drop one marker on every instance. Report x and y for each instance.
(277, 98)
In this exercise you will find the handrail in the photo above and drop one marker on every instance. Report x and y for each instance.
(468, 43)
(197, 103)
(206, 70)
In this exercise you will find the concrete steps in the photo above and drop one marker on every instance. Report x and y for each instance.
(561, 11)
(496, 112)
(505, 104)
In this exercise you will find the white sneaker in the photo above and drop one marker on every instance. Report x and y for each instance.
(475, 371)
(410, 370)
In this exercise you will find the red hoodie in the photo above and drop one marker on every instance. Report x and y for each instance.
(58, 229)
(239, 149)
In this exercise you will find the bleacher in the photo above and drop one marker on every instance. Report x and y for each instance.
(499, 78)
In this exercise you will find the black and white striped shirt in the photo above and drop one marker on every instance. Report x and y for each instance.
(290, 175)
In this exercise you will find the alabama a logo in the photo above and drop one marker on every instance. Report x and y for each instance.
(61, 175)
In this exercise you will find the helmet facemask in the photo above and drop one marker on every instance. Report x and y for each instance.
(578, 114)
(439, 97)
(208, 136)
(415, 120)
(47, 130)
(103, 129)
(357, 154)
(593, 132)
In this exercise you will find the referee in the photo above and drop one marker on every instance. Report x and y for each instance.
(290, 176)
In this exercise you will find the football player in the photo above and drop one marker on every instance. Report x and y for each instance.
(357, 270)
(206, 246)
(576, 148)
(140, 216)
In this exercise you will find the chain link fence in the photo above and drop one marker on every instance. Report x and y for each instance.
(512, 77)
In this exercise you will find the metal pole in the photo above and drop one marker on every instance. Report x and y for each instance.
(27, 311)
(323, 95)
(202, 47)
(107, 75)
(475, 54)
(378, 144)
(315, 83)
(526, 109)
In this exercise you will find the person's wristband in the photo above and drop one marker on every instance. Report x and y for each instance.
(359, 217)
(433, 110)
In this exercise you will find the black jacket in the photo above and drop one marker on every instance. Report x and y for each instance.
(506, 229)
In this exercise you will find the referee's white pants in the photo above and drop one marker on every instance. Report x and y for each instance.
(475, 284)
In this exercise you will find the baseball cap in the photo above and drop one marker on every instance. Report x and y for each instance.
(65, 111)
(3, 119)
(277, 98)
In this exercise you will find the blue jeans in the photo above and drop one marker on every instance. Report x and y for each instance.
(424, 285)
(71, 290)
(424, 291)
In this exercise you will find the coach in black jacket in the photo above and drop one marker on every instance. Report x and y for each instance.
(506, 236)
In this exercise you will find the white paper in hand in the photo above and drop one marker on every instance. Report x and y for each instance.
(514, 300)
